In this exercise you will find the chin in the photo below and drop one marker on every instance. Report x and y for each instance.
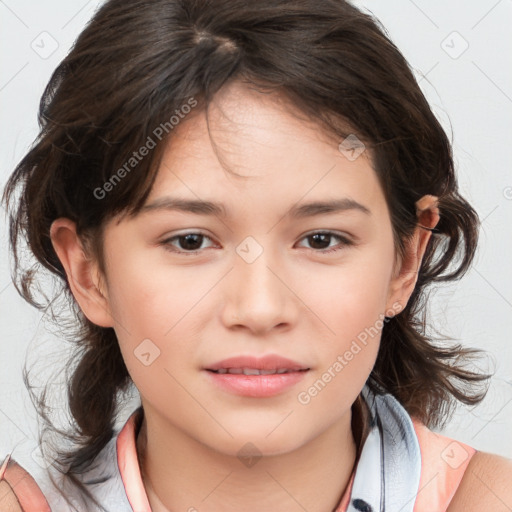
(247, 447)
(264, 440)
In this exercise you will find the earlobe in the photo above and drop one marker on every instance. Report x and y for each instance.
(82, 272)
(404, 280)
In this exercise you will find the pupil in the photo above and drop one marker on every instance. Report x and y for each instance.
(191, 239)
(322, 238)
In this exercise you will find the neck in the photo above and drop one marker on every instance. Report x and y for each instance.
(313, 477)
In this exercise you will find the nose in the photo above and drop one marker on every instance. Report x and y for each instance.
(258, 296)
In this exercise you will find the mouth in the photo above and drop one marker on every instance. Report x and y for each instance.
(256, 377)
(253, 365)
(255, 371)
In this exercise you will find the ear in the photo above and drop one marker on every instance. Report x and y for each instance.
(404, 279)
(82, 271)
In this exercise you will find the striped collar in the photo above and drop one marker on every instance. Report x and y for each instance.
(388, 472)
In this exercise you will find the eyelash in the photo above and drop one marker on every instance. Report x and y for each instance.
(345, 242)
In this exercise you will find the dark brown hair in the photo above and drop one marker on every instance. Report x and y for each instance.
(136, 64)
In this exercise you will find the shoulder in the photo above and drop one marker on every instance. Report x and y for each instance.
(19, 491)
(459, 478)
(486, 485)
(8, 500)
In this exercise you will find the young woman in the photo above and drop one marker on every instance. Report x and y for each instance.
(245, 203)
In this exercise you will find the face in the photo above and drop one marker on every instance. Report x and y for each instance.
(260, 276)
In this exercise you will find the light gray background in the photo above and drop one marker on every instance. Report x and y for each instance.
(470, 90)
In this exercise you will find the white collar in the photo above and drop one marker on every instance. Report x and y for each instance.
(386, 478)
(388, 472)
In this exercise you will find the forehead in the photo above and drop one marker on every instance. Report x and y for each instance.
(277, 155)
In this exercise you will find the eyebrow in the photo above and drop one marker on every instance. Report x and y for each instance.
(211, 208)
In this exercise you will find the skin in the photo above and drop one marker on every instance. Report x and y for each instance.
(294, 300)
(485, 486)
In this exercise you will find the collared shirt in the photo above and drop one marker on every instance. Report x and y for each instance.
(403, 466)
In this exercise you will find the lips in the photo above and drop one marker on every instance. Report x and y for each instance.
(250, 365)
(256, 377)
(253, 371)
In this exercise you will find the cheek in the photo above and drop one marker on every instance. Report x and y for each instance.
(354, 314)
(350, 303)
(149, 298)
(351, 297)
(155, 312)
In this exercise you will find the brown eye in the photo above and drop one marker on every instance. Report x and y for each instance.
(186, 243)
(321, 241)
(190, 242)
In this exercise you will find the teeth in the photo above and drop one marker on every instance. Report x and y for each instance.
(252, 371)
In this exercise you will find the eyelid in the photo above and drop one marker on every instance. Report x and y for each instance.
(340, 234)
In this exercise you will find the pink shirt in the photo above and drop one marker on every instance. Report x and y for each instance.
(443, 462)
(130, 471)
